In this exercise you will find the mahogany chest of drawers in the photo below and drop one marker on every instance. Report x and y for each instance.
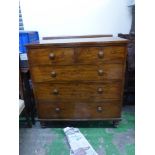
(78, 79)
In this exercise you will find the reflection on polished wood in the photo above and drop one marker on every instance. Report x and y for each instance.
(78, 79)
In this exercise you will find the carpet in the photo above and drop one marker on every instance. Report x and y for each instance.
(105, 139)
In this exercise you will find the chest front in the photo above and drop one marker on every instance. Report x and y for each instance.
(78, 82)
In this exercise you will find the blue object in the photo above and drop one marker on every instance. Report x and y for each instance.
(26, 37)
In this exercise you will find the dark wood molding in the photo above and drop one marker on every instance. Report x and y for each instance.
(82, 36)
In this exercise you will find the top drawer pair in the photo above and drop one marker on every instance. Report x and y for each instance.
(79, 55)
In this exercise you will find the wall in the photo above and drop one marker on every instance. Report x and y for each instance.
(76, 17)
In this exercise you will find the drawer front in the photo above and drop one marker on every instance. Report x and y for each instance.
(48, 56)
(79, 110)
(82, 55)
(78, 91)
(96, 55)
(77, 73)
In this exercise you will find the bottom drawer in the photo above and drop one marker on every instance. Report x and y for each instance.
(79, 110)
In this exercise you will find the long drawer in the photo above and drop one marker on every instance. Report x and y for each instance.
(77, 73)
(78, 91)
(80, 110)
(79, 55)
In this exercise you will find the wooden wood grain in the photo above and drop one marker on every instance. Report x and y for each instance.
(78, 79)
(78, 91)
(76, 42)
(84, 55)
(98, 55)
(42, 56)
(79, 110)
(77, 73)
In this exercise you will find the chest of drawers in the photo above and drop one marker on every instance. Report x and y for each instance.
(78, 79)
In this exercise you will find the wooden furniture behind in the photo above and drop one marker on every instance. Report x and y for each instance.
(23, 108)
(78, 79)
(129, 92)
(25, 91)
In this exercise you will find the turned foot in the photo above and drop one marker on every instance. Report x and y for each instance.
(116, 123)
(42, 124)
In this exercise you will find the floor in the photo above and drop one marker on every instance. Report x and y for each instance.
(105, 139)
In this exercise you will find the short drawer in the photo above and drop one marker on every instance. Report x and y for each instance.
(48, 56)
(78, 91)
(77, 73)
(97, 55)
(79, 110)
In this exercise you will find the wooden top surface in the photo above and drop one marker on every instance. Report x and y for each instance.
(79, 41)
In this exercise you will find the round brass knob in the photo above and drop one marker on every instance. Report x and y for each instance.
(100, 54)
(57, 109)
(100, 72)
(51, 55)
(55, 91)
(53, 74)
(100, 90)
(99, 109)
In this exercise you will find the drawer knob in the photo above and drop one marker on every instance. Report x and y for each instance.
(56, 91)
(57, 109)
(99, 109)
(100, 72)
(53, 74)
(100, 54)
(100, 90)
(51, 55)
(113, 52)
